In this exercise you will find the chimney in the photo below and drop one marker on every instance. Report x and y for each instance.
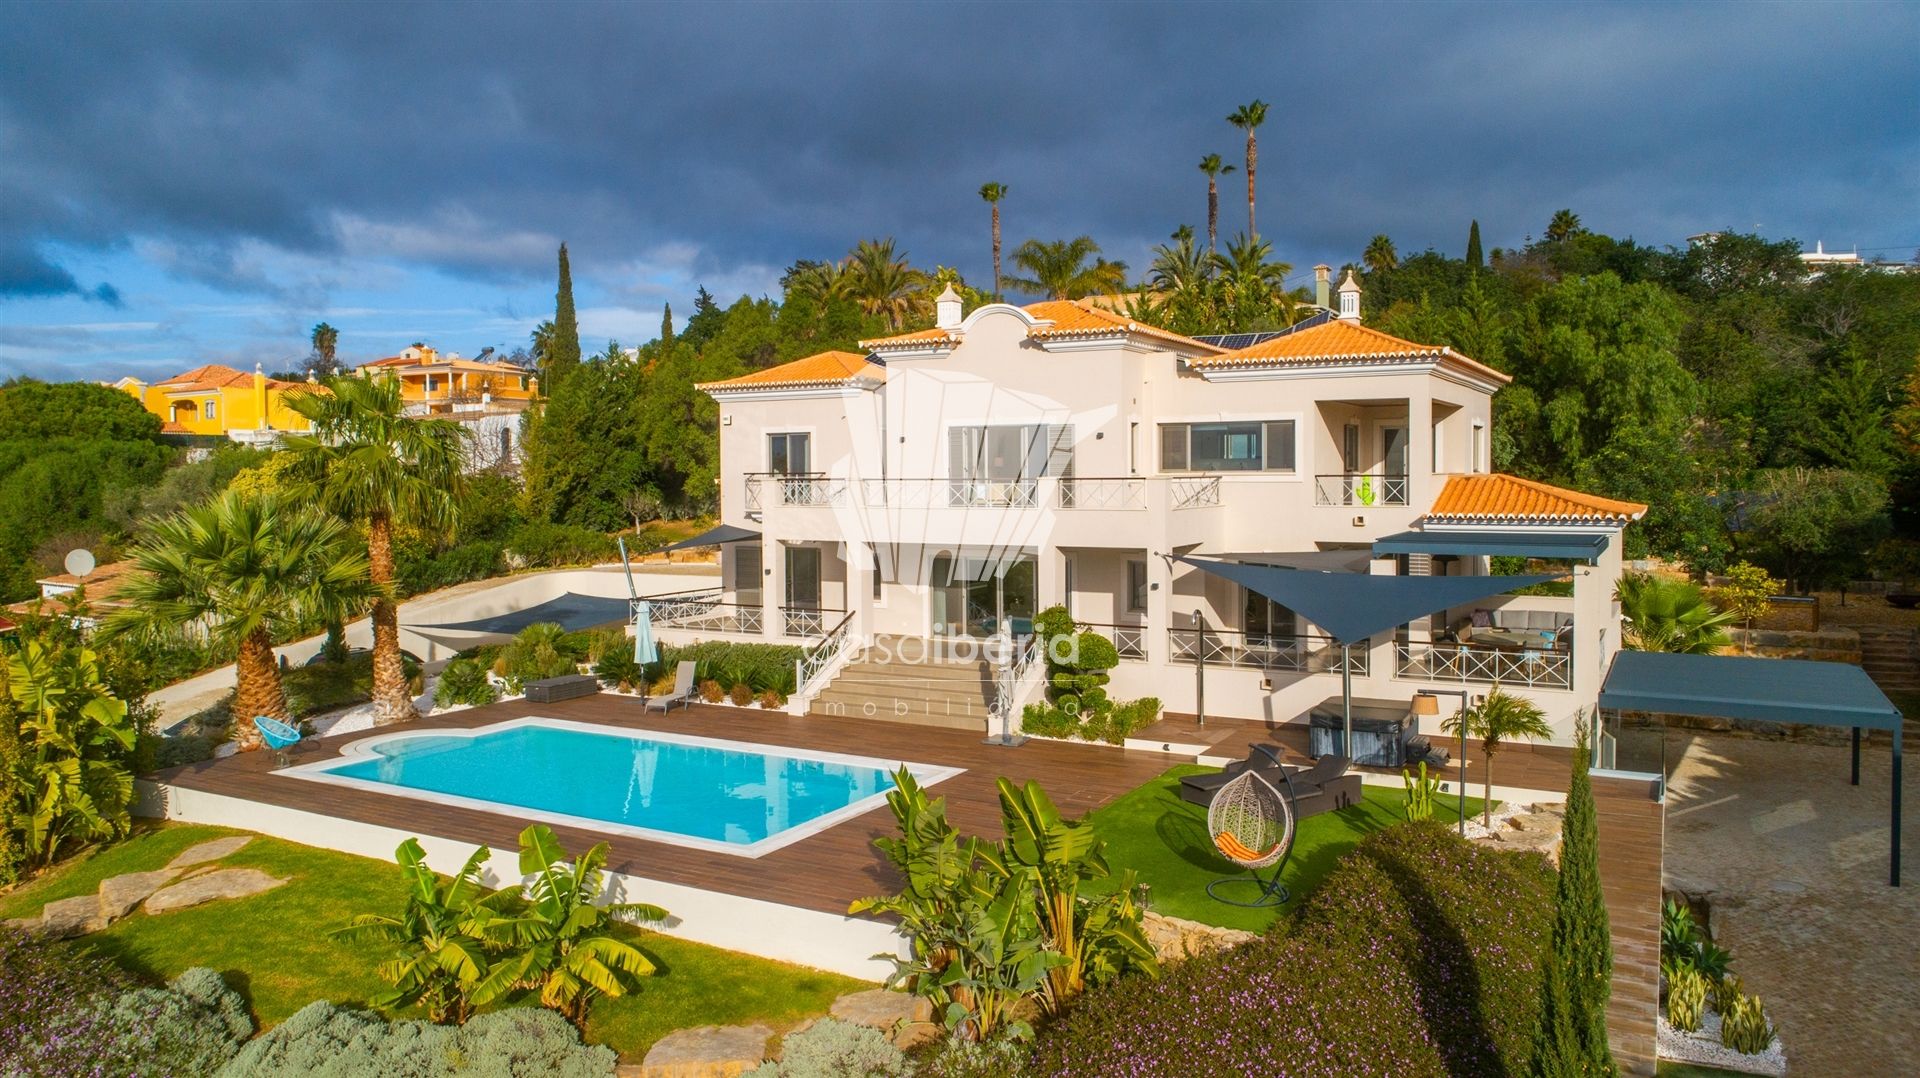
(1349, 299)
(1322, 282)
(946, 309)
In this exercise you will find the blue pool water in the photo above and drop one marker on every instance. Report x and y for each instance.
(723, 793)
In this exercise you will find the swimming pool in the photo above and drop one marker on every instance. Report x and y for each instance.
(705, 793)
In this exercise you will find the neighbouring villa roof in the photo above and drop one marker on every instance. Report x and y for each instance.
(216, 376)
(1508, 498)
(1338, 341)
(822, 370)
(1062, 320)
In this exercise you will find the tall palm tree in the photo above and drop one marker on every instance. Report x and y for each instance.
(1380, 255)
(1565, 224)
(542, 340)
(243, 570)
(1662, 614)
(326, 344)
(1180, 269)
(1252, 285)
(1214, 168)
(368, 461)
(883, 282)
(1497, 719)
(993, 193)
(1246, 118)
(1058, 269)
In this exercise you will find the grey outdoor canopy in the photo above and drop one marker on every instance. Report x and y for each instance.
(1352, 607)
(716, 536)
(571, 611)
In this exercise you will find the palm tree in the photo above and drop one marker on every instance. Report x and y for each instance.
(1252, 286)
(240, 571)
(1565, 224)
(1214, 168)
(1496, 719)
(1246, 118)
(1663, 614)
(1180, 269)
(326, 343)
(368, 461)
(993, 193)
(1380, 255)
(542, 339)
(884, 283)
(1059, 269)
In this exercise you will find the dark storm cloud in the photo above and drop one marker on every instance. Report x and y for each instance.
(470, 137)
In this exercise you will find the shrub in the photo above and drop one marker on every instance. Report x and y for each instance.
(419, 571)
(1002, 1057)
(325, 1041)
(46, 1024)
(1744, 1026)
(835, 1049)
(540, 544)
(533, 655)
(192, 1027)
(180, 750)
(464, 681)
(741, 694)
(1686, 999)
(711, 692)
(771, 700)
(761, 666)
(619, 668)
(1419, 955)
(320, 687)
(1723, 993)
(1047, 721)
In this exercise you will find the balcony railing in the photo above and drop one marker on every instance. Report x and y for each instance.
(1129, 640)
(1538, 669)
(1258, 651)
(1194, 491)
(1123, 492)
(951, 493)
(1359, 489)
(705, 612)
(771, 488)
(809, 620)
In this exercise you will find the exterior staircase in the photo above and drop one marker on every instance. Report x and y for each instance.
(1891, 657)
(896, 685)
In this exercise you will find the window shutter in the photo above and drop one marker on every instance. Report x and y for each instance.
(1280, 445)
(1059, 449)
(1173, 447)
(960, 457)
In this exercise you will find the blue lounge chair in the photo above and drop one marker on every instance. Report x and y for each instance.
(278, 735)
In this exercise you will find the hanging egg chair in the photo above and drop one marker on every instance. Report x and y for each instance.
(1251, 824)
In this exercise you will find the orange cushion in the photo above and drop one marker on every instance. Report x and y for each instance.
(1234, 849)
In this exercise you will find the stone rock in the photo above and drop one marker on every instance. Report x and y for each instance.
(1542, 822)
(914, 1034)
(226, 883)
(881, 1009)
(208, 851)
(71, 917)
(120, 894)
(1174, 939)
(29, 925)
(707, 1052)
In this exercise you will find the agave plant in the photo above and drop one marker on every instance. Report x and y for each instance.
(445, 941)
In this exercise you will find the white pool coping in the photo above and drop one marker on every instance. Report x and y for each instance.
(322, 772)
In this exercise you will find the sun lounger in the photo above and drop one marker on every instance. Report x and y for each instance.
(682, 693)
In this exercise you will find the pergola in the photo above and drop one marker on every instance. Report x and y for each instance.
(1765, 690)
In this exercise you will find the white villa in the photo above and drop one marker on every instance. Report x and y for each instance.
(945, 485)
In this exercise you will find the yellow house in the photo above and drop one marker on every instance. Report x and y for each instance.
(434, 381)
(218, 400)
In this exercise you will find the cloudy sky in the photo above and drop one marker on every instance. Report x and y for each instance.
(183, 184)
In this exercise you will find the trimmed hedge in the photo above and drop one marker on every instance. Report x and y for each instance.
(1419, 955)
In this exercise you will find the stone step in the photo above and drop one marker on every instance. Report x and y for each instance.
(832, 710)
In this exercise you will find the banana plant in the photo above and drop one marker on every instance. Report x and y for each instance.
(445, 940)
(73, 781)
(564, 938)
(1000, 957)
(935, 866)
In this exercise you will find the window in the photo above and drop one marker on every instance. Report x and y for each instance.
(1136, 587)
(1350, 448)
(1133, 449)
(1228, 447)
(210, 410)
(1268, 621)
(746, 573)
(1477, 449)
(1006, 453)
(789, 454)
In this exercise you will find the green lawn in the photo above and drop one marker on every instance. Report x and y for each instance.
(1688, 1070)
(1165, 841)
(274, 947)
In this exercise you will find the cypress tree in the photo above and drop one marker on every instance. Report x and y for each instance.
(1474, 260)
(666, 325)
(1572, 1038)
(564, 354)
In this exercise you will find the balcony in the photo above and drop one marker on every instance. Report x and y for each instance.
(1129, 640)
(1535, 668)
(1122, 492)
(771, 488)
(705, 612)
(1258, 651)
(1359, 490)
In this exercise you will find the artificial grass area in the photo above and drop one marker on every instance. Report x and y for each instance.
(1688, 1070)
(275, 950)
(1164, 840)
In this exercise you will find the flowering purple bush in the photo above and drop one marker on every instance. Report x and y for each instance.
(50, 1021)
(1420, 955)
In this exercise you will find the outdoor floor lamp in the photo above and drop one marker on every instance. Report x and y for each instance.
(1427, 702)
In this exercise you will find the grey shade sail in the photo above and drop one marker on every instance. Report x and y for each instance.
(571, 611)
(1505, 542)
(1351, 607)
(715, 536)
(1739, 687)
(1325, 561)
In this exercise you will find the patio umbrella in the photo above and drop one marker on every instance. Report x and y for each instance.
(644, 649)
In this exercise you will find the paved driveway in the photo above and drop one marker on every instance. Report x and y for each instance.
(1794, 862)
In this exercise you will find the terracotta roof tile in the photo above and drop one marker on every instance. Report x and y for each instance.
(1502, 497)
(825, 369)
(1335, 342)
(1070, 318)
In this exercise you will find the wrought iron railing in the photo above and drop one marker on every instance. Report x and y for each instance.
(1536, 668)
(1129, 640)
(1255, 651)
(1194, 491)
(1359, 489)
(1098, 492)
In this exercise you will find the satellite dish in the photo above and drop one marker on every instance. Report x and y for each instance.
(80, 561)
